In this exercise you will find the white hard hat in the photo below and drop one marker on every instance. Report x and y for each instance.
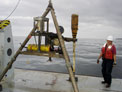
(110, 38)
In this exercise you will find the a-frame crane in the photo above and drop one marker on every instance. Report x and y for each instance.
(44, 50)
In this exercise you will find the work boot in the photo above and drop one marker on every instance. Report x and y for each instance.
(103, 82)
(108, 85)
(0, 87)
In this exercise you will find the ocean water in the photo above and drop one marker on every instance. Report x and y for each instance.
(87, 52)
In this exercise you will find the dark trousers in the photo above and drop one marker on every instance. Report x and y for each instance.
(107, 70)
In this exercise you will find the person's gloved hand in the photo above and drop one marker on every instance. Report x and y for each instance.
(98, 61)
(114, 64)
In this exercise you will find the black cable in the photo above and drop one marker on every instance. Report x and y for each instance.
(35, 39)
(12, 11)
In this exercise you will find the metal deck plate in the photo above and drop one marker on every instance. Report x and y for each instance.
(38, 81)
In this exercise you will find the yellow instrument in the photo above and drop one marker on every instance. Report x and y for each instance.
(34, 47)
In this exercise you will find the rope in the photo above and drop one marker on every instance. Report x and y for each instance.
(12, 11)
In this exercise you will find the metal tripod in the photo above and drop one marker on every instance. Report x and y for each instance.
(65, 54)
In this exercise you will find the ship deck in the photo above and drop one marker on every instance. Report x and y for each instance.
(39, 81)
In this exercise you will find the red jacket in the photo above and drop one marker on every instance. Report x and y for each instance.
(108, 51)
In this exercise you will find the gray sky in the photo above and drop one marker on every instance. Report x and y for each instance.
(97, 18)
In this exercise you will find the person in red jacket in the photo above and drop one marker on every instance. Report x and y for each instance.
(108, 55)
